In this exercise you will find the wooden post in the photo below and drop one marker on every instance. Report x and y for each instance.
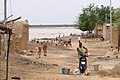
(8, 55)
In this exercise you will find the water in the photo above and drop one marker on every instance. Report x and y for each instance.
(51, 32)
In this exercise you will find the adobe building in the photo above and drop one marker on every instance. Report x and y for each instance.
(105, 31)
(19, 37)
(98, 30)
(115, 34)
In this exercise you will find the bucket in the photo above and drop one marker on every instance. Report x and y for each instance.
(66, 71)
(63, 70)
(96, 67)
(15, 78)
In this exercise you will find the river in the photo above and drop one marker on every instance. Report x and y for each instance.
(52, 32)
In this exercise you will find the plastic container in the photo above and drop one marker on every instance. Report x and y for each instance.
(63, 70)
(96, 67)
(66, 71)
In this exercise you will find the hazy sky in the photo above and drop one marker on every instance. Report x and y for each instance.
(50, 11)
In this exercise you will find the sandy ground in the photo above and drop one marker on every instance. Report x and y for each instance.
(49, 68)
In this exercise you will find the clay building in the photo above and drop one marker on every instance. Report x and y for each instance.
(105, 31)
(19, 37)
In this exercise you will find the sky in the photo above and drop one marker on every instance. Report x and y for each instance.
(49, 11)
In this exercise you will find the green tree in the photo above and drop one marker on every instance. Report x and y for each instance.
(103, 14)
(87, 19)
(116, 17)
(91, 16)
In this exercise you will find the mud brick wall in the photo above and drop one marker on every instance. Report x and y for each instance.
(115, 37)
(19, 37)
(0, 44)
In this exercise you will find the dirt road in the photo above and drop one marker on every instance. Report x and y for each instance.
(49, 68)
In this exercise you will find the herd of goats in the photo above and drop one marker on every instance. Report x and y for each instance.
(53, 42)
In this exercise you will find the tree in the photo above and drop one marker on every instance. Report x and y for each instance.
(116, 17)
(103, 14)
(92, 16)
(87, 19)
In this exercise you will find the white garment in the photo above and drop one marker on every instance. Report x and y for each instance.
(76, 71)
(78, 38)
